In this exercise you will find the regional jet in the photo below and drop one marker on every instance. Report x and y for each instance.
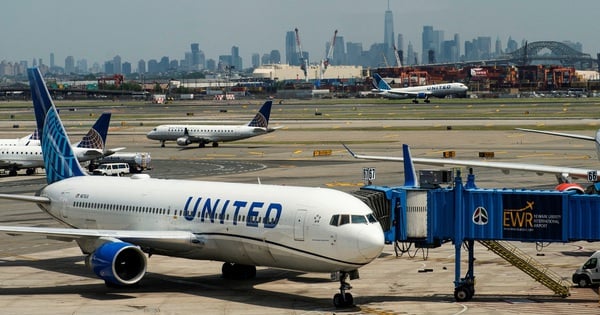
(417, 92)
(204, 134)
(30, 139)
(117, 220)
(29, 155)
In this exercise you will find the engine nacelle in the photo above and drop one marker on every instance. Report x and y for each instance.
(183, 141)
(119, 263)
(421, 95)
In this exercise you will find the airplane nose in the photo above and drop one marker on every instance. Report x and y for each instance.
(371, 242)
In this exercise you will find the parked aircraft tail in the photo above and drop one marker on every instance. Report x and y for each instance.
(261, 119)
(380, 82)
(96, 137)
(59, 160)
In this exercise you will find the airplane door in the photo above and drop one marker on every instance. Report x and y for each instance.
(299, 225)
(64, 199)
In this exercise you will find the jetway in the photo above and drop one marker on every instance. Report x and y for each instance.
(462, 214)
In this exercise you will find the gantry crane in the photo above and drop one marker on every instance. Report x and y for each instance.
(398, 62)
(325, 62)
(303, 61)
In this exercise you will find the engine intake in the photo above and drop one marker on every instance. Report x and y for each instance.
(119, 263)
(183, 141)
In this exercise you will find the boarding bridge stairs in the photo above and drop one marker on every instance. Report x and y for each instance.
(529, 265)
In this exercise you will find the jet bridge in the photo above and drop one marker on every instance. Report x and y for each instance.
(465, 214)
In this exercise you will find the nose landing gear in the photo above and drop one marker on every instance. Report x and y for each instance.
(344, 299)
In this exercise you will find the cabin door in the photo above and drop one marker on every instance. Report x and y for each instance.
(299, 225)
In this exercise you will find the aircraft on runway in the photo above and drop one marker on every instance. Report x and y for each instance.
(564, 175)
(117, 220)
(204, 134)
(417, 92)
(29, 156)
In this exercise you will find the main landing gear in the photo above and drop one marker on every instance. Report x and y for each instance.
(238, 271)
(344, 299)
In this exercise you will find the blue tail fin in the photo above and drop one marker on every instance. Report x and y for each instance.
(410, 175)
(380, 82)
(262, 117)
(96, 137)
(59, 160)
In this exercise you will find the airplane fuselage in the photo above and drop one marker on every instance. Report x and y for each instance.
(265, 225)
(437, 90)
(204, 133)
(30, 156)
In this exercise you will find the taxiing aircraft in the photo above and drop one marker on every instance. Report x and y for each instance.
(417, 92)
(117, 220)
(204, 134)
(29, 155)
(564, 175)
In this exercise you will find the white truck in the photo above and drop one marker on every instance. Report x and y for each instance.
(112, 169)
(589, 272)
(137, 161)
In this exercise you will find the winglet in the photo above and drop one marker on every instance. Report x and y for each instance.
(59, 160)
(262, 117)
(96, 137)
(410, 175)
(349, 151)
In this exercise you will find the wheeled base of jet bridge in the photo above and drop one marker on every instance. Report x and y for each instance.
(429, 216)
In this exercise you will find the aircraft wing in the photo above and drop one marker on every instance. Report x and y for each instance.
(561, 172)
(141, 238)
(108, 152)
(560, 134)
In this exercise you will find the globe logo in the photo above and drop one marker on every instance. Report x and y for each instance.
(480, 216)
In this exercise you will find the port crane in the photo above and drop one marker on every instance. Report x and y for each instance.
(398, 62)
(326, 61)
(303, 61)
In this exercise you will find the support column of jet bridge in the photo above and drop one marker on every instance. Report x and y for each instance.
(421, 216)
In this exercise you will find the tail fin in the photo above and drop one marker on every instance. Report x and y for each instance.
(262, 117)
(380, 82)
(59, 160)
(96, 137)
(410, 175)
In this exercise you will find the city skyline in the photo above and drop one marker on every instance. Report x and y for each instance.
(147, 30)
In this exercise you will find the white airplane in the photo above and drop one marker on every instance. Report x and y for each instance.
(30, 139)
(29, 156)
(204, 134)
(564, 175)
(417, 92)
(117, 220)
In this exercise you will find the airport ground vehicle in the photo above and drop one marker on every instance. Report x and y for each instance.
(110, 169)
(589, 272)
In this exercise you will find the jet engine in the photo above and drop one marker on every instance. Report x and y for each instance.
(183, 141)
(570, 187)
(421, 95)
(119, 263)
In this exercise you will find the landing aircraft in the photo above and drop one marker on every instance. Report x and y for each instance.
(417, 92)
(29, 155)
(116, 221)
(204, 134)
(564, 175)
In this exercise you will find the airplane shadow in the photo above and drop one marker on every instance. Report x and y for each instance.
(214, 286)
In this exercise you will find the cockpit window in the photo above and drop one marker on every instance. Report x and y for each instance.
(359, 219)
(341, 219)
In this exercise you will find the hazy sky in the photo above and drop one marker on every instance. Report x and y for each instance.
(149, 29)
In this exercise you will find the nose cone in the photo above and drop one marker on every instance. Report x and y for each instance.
(150, 135)
(371, 242)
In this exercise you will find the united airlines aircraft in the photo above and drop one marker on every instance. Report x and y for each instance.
(184, 135)
(416, 92)
(29, 155)
(116, 221)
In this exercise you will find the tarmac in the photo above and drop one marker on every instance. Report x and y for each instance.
(38, 275)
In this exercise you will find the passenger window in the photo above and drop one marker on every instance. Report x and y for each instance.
(358, 219)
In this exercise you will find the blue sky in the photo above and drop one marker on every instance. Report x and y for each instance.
(150, 29)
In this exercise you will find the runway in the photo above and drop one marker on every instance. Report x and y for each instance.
(47, 276)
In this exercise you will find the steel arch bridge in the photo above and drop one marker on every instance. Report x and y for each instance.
(560, 52)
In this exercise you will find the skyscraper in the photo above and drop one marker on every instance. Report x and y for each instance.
(291, 57)
(388, 28)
